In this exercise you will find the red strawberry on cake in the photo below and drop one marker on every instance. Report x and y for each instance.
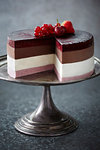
(69, 27)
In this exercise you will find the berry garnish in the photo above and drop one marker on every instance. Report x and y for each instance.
(57, 30)
(37, 31)
(57, 24)
(45, 30)
(69, 27)
(60, 31)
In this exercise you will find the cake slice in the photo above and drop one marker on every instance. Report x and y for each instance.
(74, 56)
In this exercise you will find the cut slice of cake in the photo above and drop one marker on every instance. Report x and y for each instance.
(74, 56)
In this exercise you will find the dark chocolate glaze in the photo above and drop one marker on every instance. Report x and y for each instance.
(77, 41)
(26, 38)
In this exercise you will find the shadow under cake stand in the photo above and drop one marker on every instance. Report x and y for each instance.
(46, 120)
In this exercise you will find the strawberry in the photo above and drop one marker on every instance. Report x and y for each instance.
(69, 27)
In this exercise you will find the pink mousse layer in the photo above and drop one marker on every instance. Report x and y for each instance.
(74, 77)
(29, 71)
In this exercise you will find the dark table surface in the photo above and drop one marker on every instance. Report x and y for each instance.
(81, 100)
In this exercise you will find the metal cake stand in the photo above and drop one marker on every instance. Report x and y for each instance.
(46, 120)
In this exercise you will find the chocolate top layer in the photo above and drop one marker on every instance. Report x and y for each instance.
(22, 35)
(26, 38)
(79, 40)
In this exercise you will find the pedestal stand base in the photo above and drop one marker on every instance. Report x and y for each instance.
(25, 125)
(46, 120)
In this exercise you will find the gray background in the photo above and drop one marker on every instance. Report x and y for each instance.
(81, 100)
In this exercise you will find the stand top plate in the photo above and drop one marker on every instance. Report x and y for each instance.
(45, 78)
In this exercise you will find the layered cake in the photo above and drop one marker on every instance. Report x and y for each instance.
(71, 56)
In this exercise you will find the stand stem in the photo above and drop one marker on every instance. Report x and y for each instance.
(46, 111)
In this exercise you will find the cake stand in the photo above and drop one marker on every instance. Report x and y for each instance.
(46, 120)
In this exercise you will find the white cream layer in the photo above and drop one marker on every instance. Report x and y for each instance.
(64, 70)
(30, 62)
(74, 69)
